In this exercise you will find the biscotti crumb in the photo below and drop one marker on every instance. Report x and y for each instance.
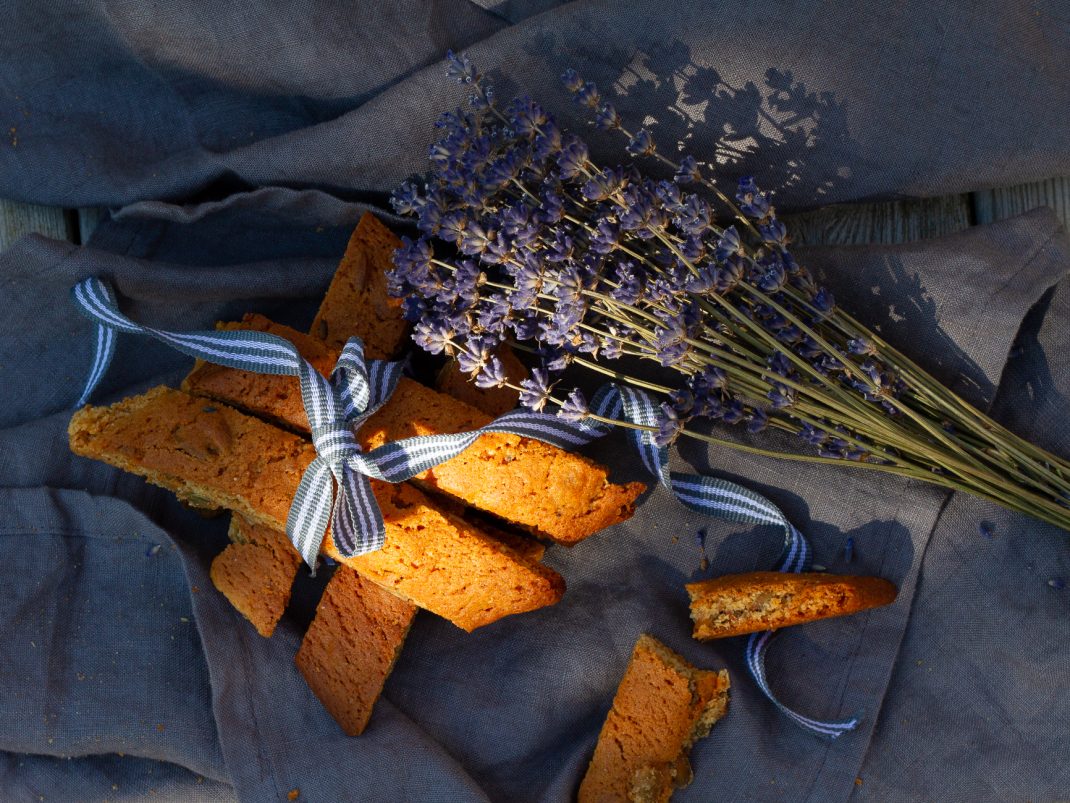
(663, 706)
(748, 603)
(256, 573)
(351, 646)
(434, 560)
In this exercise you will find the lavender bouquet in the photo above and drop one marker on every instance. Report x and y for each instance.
(524, 240)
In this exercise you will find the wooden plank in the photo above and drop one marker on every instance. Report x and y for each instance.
(88, 218)
(17, 219)
(887, 222)
(1006, 202)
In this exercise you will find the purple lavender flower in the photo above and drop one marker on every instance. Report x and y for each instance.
(607, 118)
(642, 144)
(460, 68)
(492, 374)
(728, 244)
(774, 232)
(572, 81)
(688, 172)
(535, 390)
(572, 157)
(861, 346)
(824, 302)
(670, 425)
(759, 420)
(781, 396)
(406, 199)
(574, 408)
(432, 335)
(752, 201)
(812, 435)
(602, 185)
(475, 239)
(587, 95)
(474, 356)
(733, 412)
(670, 341)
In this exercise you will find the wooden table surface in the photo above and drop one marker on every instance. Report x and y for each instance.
(888, 222)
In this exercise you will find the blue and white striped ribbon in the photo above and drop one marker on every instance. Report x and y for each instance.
(336, 407)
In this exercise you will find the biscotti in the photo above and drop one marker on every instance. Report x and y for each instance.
(549, 492)
(351, 646)
(271, 397)
(748, 603)
(663, 706)
(256, 573)
(211, 452)
(357, 302)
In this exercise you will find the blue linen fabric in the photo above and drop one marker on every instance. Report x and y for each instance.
(240, 146)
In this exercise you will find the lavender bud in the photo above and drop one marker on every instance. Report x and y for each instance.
(642, 144)
(759, 420)
(607, 118)
(460, 68)
(752, 202)
(535, 391)
(688, 172)
(572, 80)
(587, 95)
(491, 375)
(574, 408)
(670, 424)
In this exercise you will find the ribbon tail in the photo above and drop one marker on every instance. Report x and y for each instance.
(757, 646)
(103, 351)
(310, 512)
(358, 522)
(797, 555)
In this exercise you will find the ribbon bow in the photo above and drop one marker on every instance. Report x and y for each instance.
(337, 405)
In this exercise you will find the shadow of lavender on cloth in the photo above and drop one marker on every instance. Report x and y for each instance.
(783, 131)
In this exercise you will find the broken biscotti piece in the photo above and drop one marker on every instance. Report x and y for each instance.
(214, 455)
(357, 302)
(549, 492)
(351, 646)
(662, 707)
(256, 573)
(749, 603)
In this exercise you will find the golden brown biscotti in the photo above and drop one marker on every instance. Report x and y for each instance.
(351, 646)
(256, 573)
(663, 706)
(211, 452)
(747, 603)
(273, 398)
(492, 401)
(550, 492)
(357, 302)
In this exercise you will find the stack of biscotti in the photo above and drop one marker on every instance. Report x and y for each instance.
(358, 630)
(662, 707)
(214, 455)
(547, 491)
(257, 574)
